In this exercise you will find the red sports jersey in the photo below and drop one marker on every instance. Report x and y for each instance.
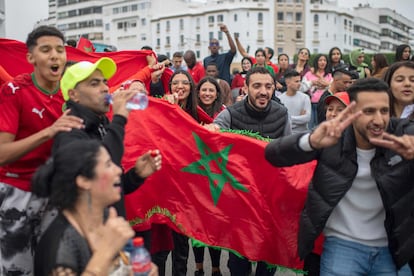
(197, 72)
(25, 110)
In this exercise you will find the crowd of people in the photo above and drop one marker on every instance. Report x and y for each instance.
(62, 185)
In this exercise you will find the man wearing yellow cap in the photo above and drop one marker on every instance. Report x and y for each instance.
(85, 90)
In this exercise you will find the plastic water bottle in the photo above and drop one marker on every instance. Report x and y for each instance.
(138, 102)
(140, 258)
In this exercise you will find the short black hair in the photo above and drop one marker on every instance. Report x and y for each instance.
(270, 51)
(291, 73)
(146, 47)
(368, 85)
(40, 31)
(258, 70)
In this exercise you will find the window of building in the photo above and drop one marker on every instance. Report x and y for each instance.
(198, 54)
(280, 35)
(143, 21)
(298, 34)
(158, 42)
(220, 35)
(72, 13)
(198, 38)
(289, 17)
(158, 26)
(167, 40)
(61, 3)
(220, 18)
(298, 17)
(134, 7)
(260, 18)
(279, 51)
(198, 22)
(260, 35)
(182, 39)
(316, 20)
(344, 39)
(167, 26)
(210, 35)
(181, 24)
(279, 16)
(345, 23)
(211, 19)
(124, 8)
(115, 10)
(235, 18)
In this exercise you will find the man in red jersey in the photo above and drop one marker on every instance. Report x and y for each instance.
(195, 68)
(31, 116)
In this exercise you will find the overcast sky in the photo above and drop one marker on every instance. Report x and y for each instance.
(36, 10)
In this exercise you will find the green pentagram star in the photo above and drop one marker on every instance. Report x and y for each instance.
(202, 167)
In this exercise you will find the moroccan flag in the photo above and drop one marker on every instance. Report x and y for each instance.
(215, 187)
(13, 60)
(85, 45)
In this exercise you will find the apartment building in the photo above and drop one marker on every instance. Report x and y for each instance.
(394, 28)
(289, 26)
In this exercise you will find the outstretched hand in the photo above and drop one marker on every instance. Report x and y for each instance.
(403, 145)
(329, 132)
(148, 163)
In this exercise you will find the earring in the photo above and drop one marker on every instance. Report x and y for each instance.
(89, 199)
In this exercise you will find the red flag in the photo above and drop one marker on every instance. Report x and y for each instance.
(13, 60)
(215, 187)
(85, 45)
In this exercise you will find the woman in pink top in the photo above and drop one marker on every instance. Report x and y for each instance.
(315, 82)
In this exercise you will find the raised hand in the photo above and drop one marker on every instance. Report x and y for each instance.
(113, 235)
(329, 132)
(119, 100)
(403, 145)
(148, 163)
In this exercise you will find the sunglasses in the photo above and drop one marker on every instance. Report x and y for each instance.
(214, 44)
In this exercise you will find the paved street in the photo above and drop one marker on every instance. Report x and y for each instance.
(207, 265)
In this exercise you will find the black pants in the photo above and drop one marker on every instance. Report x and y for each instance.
(214, 255)
(180, 254)
(312, 264)
(242, 267)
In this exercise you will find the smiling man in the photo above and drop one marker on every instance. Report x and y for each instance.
(31, 115)
(257, 113)
(362, 189)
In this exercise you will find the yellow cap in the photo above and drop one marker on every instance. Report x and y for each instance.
(82, 70)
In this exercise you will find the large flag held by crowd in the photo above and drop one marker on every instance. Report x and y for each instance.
(216, 188)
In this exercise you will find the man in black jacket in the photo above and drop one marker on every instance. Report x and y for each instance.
(361, 193)
(84, 87)
(257, 113)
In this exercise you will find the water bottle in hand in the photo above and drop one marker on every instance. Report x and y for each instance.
(138, 102)
(140, 258)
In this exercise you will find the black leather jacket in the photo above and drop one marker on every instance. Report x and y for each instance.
(112, 136)
(333, 177)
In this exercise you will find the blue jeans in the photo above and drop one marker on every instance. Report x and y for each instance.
(342, 257)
